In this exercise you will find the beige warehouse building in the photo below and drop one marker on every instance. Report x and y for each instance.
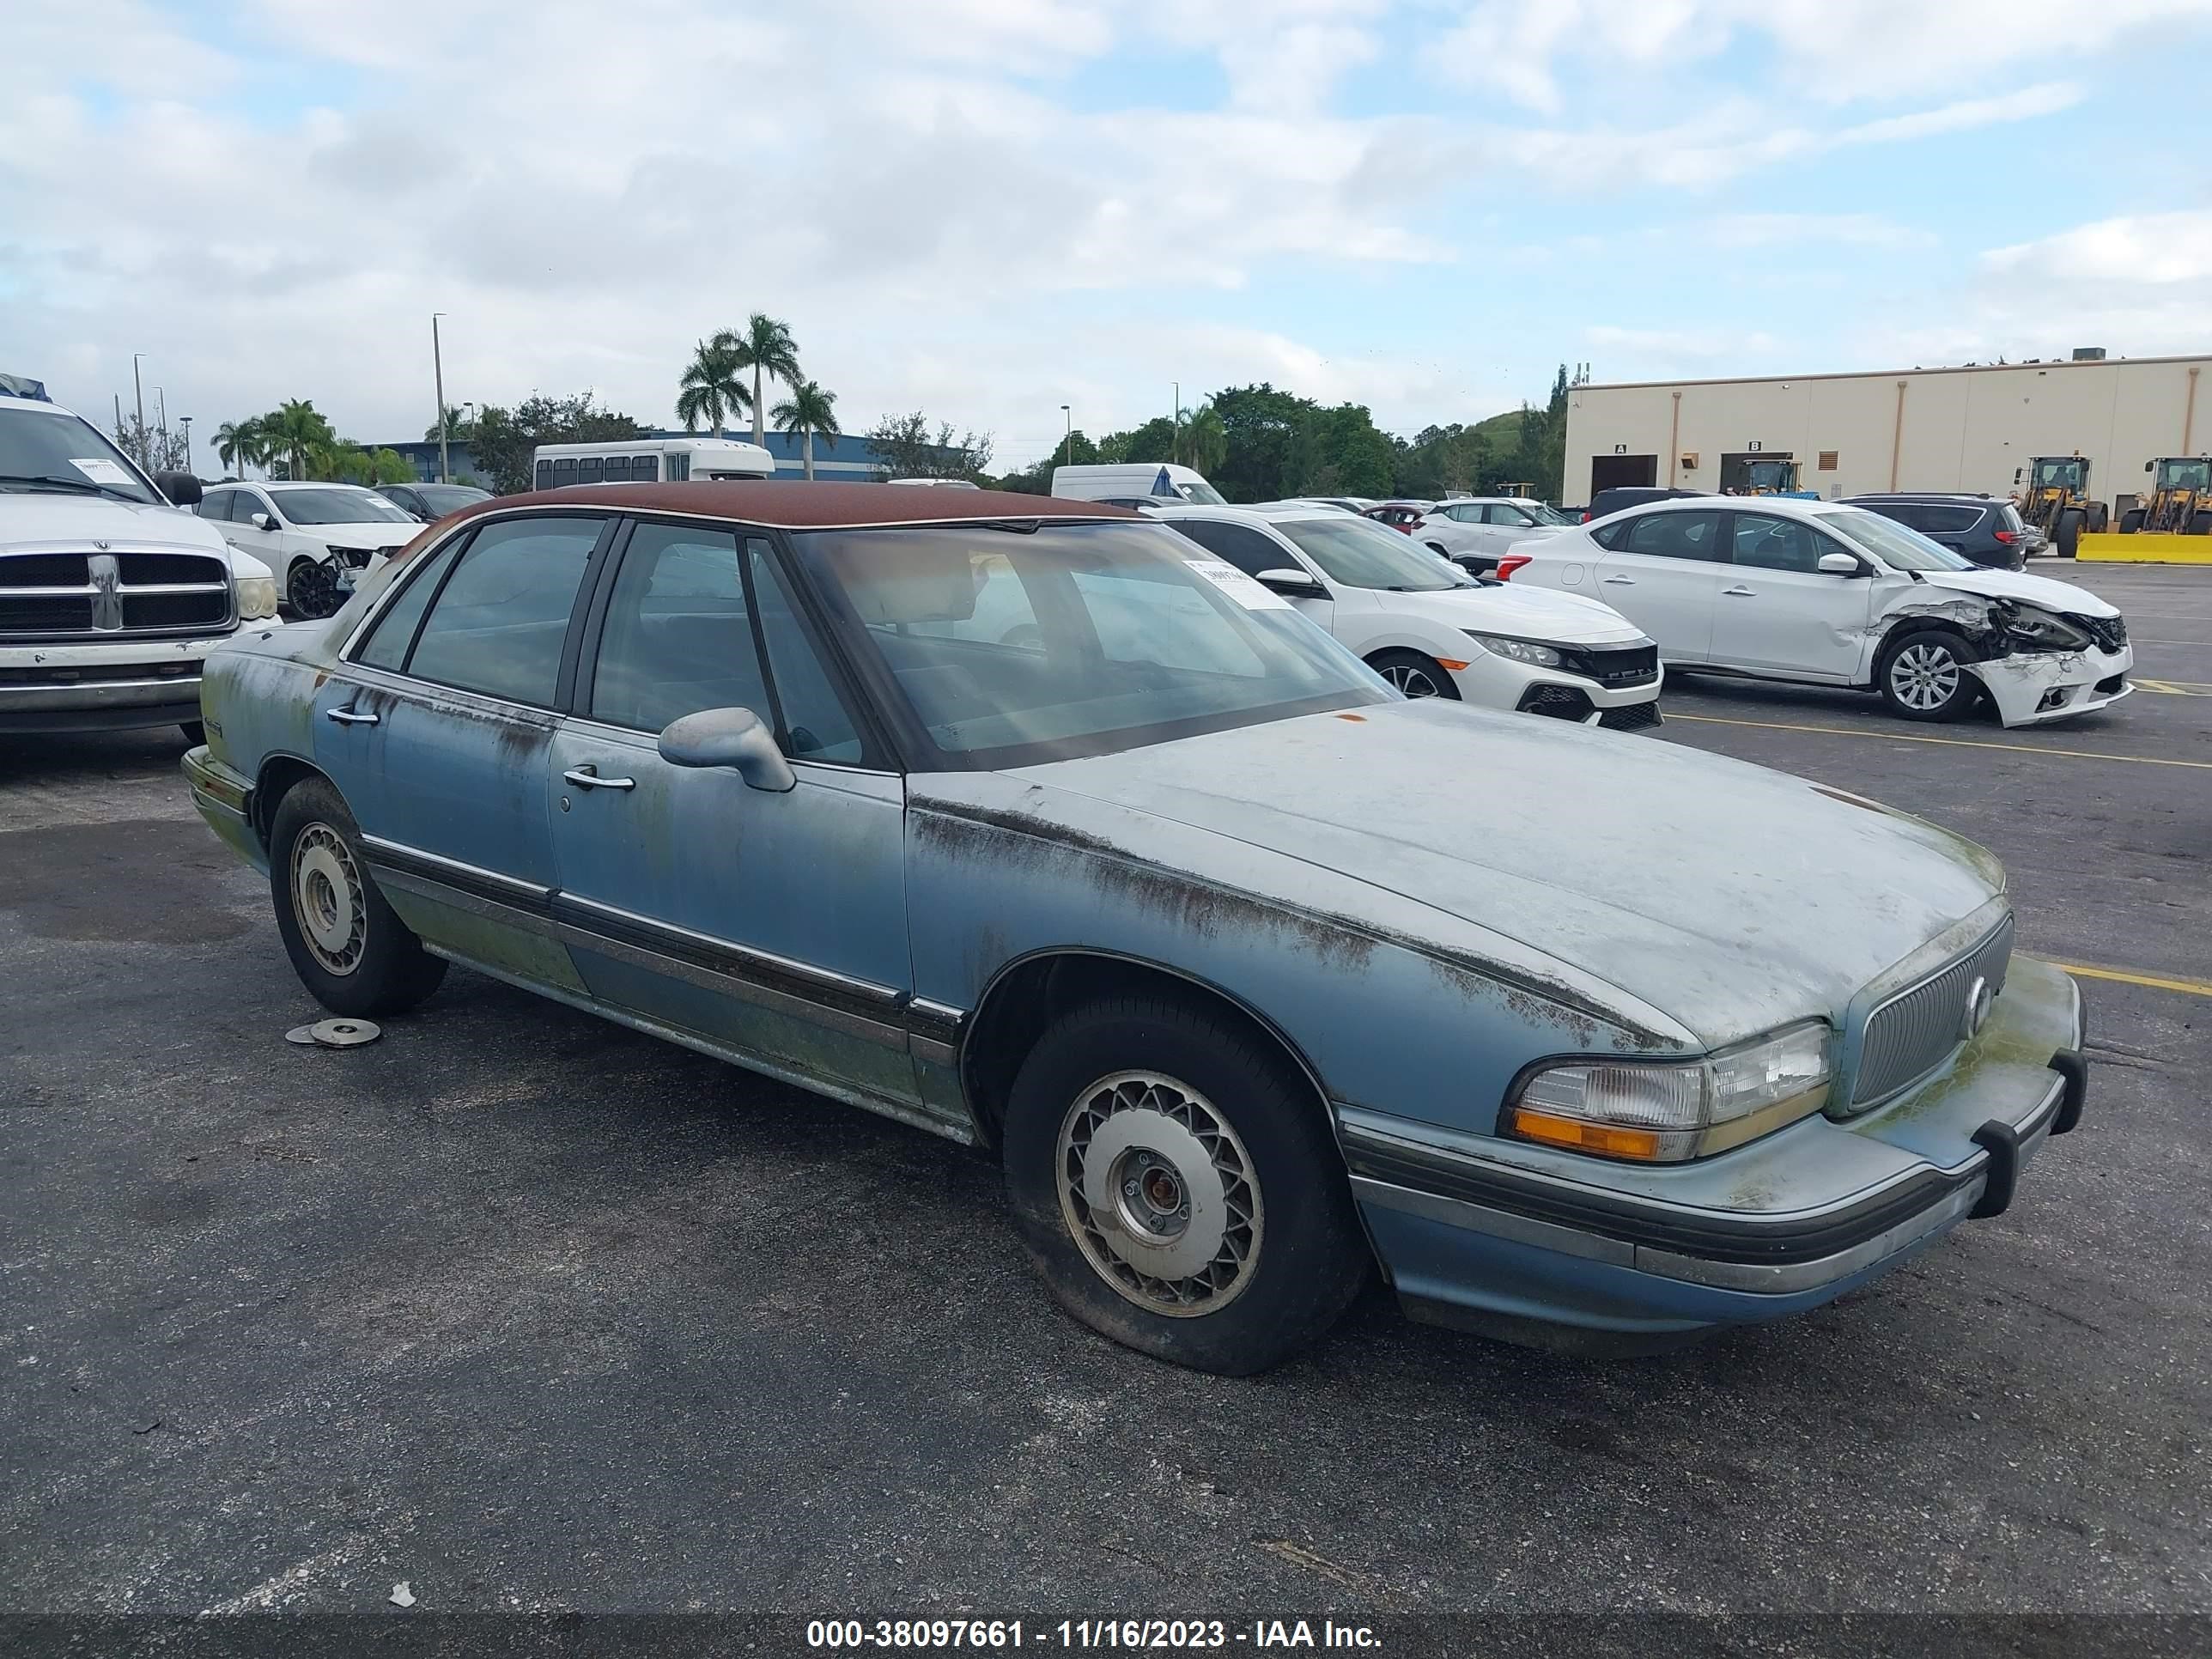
(1969, 430)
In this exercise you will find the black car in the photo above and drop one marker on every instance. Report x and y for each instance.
(1986, 529)
(1621, 497)
(430, 501)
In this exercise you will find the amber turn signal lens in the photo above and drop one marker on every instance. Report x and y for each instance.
(1609, 1140)
(1455, 667)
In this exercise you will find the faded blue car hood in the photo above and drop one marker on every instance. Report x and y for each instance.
(1728, 896)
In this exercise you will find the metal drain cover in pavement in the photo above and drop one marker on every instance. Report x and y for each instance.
(335, 1034)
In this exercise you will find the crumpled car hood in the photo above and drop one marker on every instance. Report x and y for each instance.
(1727, 895)
(2019, 585)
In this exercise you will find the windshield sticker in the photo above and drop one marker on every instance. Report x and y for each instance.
(1239, 585)
(104, 472)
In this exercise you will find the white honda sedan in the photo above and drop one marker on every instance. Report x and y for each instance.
(1429, 629)
(1826, 594)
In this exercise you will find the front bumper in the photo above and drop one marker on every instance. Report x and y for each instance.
(102, 687)
(2033, 687)
(1495, 682)
(224, 797)
(1487, 1233)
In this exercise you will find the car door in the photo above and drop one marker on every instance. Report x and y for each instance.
(242, 533)
(1662, 571)
(1254, 551)
(438, 729)
(771, 924)
(1778, 612)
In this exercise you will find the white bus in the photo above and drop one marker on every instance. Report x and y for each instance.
(648, 461)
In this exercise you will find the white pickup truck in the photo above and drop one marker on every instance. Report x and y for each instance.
(111, 594)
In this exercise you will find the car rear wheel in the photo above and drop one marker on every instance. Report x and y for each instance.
(311, 587)
(1413, 674)
(1175, 1183)
(1924, 675)
(354, 956)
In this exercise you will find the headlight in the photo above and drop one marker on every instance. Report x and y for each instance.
(2039, 630)
(1665, 1111)
(257, 597)
(1528, 651)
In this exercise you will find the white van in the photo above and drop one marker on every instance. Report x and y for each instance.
(1145, 480)
(648, 461)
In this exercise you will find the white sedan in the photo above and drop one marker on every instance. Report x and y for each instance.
(1475, 533)
(314, 536)
(1825, 594)
(1427, 628)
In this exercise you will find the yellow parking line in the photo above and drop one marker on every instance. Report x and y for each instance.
(2174, 688)
(1953, 743)
(2195, 988)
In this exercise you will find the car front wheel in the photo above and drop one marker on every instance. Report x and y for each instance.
(354, 956)
(1924, 675)
(1176, 1185)
(1413, 674)
(312, 589)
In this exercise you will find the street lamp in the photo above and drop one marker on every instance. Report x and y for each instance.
(438, 370)
(1071, 435)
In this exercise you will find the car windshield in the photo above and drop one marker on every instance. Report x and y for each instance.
(1005, 646)
(1891, 542)
(50, 450)
(338, 506)
(442, 499)
(1360, 553)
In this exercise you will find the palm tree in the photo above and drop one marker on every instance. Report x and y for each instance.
(1205, 439)
(808, 411)
(766, 348)
(297, 434)
(239, 444)
(710, 390)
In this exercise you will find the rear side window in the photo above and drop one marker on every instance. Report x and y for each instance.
(1240, 545)
(499, 626)
(1673, 536)
(1947, 520)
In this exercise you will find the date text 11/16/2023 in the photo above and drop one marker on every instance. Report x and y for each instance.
(1125, 1634)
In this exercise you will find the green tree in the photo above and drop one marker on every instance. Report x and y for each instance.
(458, 430)
(710, 391)
(1203, 442)
(766, 348)
(808, 411)
(503, 439)
(357, 464)
(296, 435)
(1152, 441)
(1339, 452)
(907, 447)
(239, 444)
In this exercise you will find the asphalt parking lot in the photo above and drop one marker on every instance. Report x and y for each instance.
(531, 1312)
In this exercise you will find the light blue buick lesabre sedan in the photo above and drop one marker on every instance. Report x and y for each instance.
(1025, 821)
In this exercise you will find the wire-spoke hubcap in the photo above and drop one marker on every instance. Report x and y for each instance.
(1159, 1192)
(1414, 682)
(326, 898)
(1924, 675)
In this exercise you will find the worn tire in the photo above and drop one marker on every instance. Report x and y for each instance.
(1405, 668)
(2068, 538)
(2201, 524)
(1307, 1259)
(1914, 657)
(2132, 521)
(387, 970)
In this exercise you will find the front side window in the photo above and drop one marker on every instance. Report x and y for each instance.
(394, 632)
(1359, 553)
(1673, 536)
(815, 724)
(1891, 542)
(336, 506)
(678, 636)
(1769, 543)
(499, 625)
(1224, 651)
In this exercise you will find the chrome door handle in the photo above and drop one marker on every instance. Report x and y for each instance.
(588, 777)
(1626, 581)
(1740, 593)
(348, 717)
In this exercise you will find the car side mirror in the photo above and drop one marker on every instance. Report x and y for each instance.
(261, 521)
(1839, 565)
(729, 737)
(182, 489)
(1291, 583)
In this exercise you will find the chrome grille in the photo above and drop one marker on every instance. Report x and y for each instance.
(1917, 1030)
(112, 595)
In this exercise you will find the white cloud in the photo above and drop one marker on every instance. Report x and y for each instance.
(2136, 251)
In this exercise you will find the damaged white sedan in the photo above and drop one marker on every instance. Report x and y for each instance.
(1825, 594)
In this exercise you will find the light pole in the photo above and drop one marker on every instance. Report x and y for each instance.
(1070, 440)
(438, 370)
(138, 386)
(1175, 423)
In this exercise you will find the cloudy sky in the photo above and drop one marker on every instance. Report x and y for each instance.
(986, 208)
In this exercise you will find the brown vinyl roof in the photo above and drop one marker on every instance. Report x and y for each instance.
(811, 506)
